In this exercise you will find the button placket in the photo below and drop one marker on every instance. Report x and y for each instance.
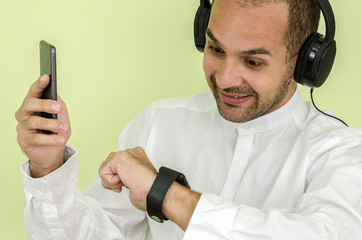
(239, 163)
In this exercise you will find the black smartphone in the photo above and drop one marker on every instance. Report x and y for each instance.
(48, 66)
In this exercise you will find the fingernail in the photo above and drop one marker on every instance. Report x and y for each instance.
(63, 127)
(56, 107)
(42, 79)
(61, 140)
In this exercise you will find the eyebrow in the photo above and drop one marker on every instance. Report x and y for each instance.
(256, 51)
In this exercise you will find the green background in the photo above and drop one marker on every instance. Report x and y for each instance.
(113, 58)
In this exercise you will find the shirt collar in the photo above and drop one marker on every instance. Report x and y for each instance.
(294, 110)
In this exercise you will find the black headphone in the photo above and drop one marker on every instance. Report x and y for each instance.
(316, 56)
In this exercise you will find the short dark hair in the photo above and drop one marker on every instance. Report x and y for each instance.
(303, 20)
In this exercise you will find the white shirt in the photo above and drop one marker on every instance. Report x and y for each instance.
(291, 174)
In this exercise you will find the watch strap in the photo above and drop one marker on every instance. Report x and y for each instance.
(160, 186)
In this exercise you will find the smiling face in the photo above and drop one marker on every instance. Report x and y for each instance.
(245, 59)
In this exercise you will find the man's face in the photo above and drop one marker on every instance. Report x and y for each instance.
(245, 59)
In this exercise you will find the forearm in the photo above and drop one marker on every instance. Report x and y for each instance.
(179, 204)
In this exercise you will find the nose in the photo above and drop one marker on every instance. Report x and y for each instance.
(229, 73)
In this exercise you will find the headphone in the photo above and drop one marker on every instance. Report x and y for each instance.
(316, 56)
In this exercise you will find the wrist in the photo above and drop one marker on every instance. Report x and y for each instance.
(38, 170)
(179, 204)
(171, 198)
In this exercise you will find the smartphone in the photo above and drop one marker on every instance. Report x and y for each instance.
(48, 66)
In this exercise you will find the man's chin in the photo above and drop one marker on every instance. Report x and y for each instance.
(236, 113)
(233, 113)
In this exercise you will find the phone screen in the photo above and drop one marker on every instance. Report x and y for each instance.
(48, 66)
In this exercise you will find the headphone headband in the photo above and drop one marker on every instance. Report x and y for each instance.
(329, 20)
(200, 24)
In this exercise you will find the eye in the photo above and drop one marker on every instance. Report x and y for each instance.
(216, 50)
(252, 63)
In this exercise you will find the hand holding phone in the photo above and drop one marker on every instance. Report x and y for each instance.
(45, 151)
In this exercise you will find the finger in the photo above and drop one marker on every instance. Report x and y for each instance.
(35, 139)
(34, 123)
(117, 190)
(36, 105)
(110, 178)
(62, 103)
(37, 88)
(112, 185)
(105, 162)
(105, 185)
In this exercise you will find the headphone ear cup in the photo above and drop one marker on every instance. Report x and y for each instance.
(315, 61)
(325, 60)
(200, 24)
(303, 64)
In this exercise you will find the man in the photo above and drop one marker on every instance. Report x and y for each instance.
(262, 164)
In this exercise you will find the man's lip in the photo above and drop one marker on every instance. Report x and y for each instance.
(234, 99)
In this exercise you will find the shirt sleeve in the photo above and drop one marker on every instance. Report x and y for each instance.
(330, 208)
(54, 208)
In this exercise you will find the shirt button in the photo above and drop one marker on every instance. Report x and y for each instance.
(42, 191)
(59, 183)
(53, 225)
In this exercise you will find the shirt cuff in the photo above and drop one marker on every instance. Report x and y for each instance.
(213, 218)
(56, 182)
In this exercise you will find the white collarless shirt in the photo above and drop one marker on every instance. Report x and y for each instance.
(291, 174)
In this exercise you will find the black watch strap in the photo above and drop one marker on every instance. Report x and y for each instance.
(160, 186)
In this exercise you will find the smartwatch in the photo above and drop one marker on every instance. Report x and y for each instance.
(160, 186)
